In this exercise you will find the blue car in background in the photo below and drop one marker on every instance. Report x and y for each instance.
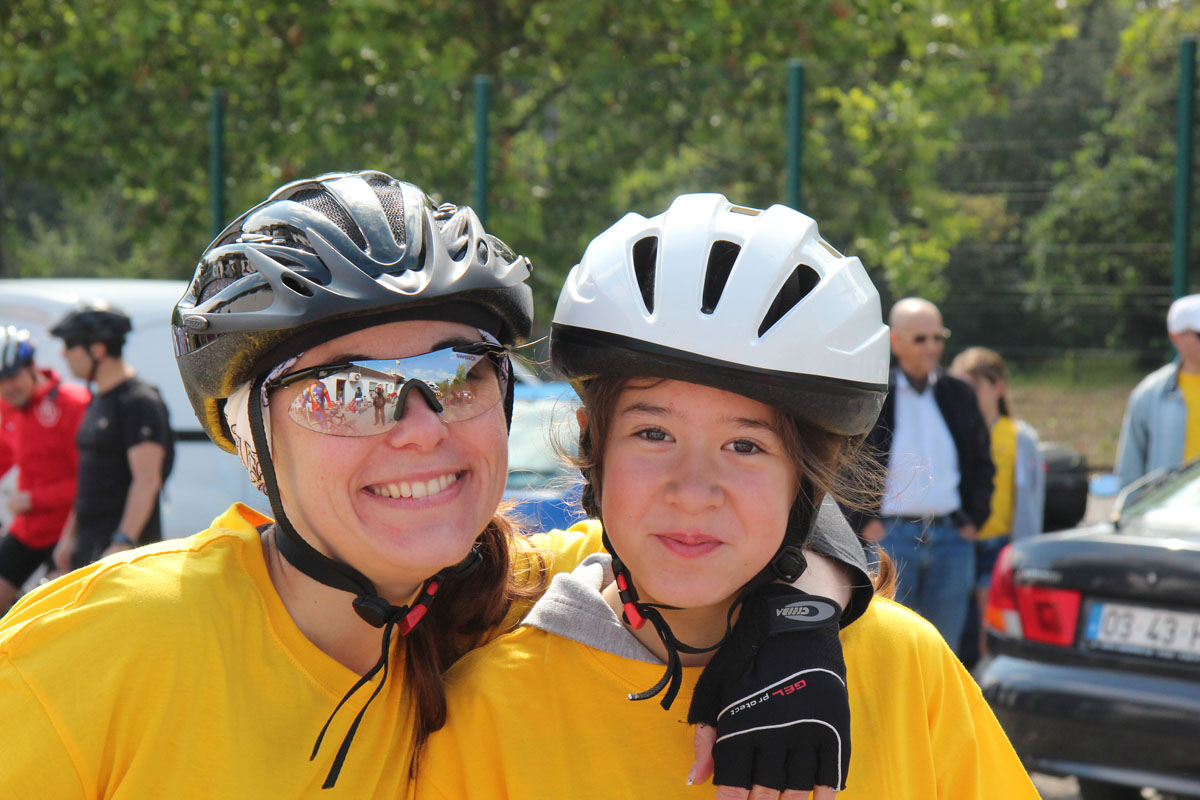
(543, 486)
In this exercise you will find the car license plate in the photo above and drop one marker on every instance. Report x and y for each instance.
(1146, 631)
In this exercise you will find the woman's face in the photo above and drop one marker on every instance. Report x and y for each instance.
(337, 490)
(696, 490)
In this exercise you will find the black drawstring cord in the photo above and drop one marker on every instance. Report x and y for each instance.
(336, 768)
(372, 608)
(636, 613)
(673, 675)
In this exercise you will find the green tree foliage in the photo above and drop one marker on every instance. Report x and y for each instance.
(601, 107)
(1004, 171)
(1106, 227)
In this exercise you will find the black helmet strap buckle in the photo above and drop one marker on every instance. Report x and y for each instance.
(789, 563)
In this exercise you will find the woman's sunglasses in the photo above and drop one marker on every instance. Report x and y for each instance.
(364, 398)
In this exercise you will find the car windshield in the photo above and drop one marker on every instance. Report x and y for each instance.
(1173, 503)
(540, 423)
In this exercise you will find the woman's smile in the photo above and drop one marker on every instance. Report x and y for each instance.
(417, 489)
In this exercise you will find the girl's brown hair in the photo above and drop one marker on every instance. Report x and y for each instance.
(468, 608)
(982, 363)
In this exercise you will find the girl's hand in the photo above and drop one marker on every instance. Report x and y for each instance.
(702, 770)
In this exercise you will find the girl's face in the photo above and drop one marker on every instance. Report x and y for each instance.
(696, 490)
(337, 490)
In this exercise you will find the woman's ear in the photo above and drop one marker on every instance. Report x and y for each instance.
(581, 418)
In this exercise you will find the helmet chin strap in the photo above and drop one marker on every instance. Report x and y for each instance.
(91, 378)
(368, 604)
(786, 565)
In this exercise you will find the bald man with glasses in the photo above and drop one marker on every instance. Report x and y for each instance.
(933, 442)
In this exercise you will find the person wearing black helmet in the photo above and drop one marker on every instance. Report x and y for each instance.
(730, 363)
(125, 443)
(275, 658)
(39, 416)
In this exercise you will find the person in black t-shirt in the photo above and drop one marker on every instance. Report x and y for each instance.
(124, 441)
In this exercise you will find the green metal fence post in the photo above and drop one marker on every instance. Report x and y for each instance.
(795, 131)
(216, 162)
(483, 105)
(1182, 240)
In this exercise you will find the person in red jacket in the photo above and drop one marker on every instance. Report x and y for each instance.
(39, 416)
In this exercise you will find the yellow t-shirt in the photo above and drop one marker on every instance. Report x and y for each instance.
(1004, 485)
(534, 715)
(1189, 385)
(174, 670)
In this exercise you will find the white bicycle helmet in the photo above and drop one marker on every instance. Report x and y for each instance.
(755, 302)
(752, 302)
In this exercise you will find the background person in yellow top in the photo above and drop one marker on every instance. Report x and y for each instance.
(205, 667)
(1019, 486)
(1161, 429)
(730, 362)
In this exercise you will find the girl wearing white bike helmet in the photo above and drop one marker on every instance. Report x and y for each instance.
(730, 362)
(275, 658)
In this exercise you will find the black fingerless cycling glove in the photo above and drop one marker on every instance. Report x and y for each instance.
(776, 693)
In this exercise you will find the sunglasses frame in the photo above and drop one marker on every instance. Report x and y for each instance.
(322, 371)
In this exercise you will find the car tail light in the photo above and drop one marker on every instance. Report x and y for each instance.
(1037, 613)
(1001, 614)
(1049, 615)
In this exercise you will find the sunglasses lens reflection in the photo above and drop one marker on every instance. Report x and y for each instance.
(363, 400)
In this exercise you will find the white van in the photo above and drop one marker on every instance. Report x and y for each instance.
(205, 479)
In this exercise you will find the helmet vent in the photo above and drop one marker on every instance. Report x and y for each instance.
(645, 259)
(296, 285)
(720, 262)
(802, 281)
(392, 199)
(321, 200)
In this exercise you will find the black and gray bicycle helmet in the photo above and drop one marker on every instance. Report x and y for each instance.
(748, 301)
(330, 255)
(16, 350)
(93, 321)
(319, 259)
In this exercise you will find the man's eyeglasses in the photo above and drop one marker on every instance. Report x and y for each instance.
(940, 337)
(459, 383)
